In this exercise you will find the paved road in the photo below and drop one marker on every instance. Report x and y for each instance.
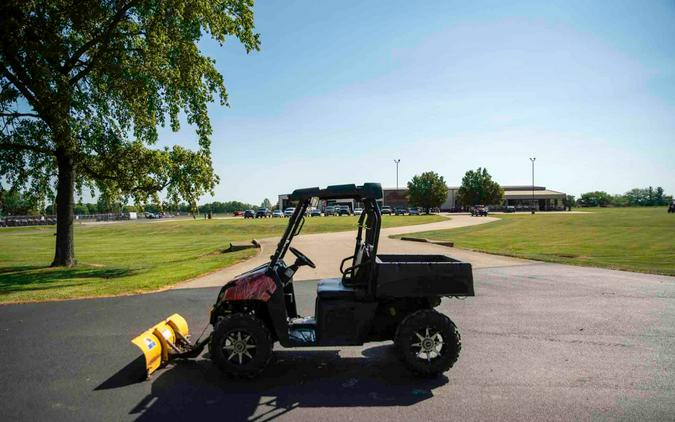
(541, 341)
(328, 249)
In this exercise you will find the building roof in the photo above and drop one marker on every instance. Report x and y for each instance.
(525, 194)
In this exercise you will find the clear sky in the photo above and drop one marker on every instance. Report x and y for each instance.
(341, 89)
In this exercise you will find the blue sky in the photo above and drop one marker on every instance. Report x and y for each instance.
(341, 89)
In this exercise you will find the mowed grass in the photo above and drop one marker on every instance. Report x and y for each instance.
(134, 257)
(633, 239)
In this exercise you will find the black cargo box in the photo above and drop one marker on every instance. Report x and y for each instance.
(422, 275)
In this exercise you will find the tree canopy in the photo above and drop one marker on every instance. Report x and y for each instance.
(84, 86)
(595, 199)
(478, 188)
(635, 197)
(428, 190)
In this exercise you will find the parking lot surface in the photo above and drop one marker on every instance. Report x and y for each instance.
(540, 341)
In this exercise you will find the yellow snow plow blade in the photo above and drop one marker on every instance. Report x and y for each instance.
(164, 341)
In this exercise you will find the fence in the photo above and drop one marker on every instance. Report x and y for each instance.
(44, 220)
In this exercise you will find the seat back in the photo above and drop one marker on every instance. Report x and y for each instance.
(363, 256)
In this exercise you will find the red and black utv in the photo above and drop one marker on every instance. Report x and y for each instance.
(377, 298)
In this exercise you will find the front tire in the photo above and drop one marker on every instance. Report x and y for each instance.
(428, 342)
(241, 346)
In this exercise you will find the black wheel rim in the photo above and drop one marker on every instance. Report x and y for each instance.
(239, 347)
(427, 344)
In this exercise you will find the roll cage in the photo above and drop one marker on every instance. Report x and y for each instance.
(370, 221)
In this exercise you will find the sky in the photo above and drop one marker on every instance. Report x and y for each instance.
(341, 89)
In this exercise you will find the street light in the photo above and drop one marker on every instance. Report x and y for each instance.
(397, 161)
(532, 203)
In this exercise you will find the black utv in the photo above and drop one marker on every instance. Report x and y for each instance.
(377, 298)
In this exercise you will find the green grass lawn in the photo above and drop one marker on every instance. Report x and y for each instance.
(633, 239)
(134, 257)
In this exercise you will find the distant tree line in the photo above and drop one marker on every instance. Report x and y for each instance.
(225, 207)
(638, 197)
(15, 203)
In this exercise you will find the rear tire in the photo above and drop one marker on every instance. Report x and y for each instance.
(428, 342)
(241, 346)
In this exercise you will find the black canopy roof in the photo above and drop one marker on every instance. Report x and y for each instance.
(367, 191)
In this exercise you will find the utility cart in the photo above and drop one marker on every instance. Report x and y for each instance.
(378, 297)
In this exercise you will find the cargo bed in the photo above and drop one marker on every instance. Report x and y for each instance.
(422, 275)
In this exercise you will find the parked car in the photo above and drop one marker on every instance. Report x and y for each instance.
(414, 211)
(249, 214)
(344, 210)
(289, 211)
(402, 211)
(263, 213)
(386, 210)
(238, 213)
(510, 208)
(151, 215)
(315, 213)
(479, 211)
(277, 213)
(358, 211)
(329, 210)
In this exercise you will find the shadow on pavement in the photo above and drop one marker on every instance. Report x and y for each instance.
(294, 379)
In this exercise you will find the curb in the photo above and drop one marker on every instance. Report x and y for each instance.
(435, 242)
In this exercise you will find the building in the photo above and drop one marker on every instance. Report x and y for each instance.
(519, 197)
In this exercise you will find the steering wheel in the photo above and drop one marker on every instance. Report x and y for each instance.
(301, 257)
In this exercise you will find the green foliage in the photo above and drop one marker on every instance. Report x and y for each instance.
(595, 199)
(85, 84)
(15, 203)
(645, 197)
(224, 207)
(266, 203)
(81, 209)
(636, 197)
(478, 188)
(619, 201)
(427, 190)
(569, 201)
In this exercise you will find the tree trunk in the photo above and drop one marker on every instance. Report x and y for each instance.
(64, 254)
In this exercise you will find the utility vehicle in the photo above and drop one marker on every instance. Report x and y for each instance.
(378, 297)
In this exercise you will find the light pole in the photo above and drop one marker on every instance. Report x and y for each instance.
(397, 161)
(532, 204)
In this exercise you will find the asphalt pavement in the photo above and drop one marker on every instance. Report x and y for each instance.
(540, 341)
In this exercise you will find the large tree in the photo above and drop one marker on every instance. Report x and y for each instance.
(84, 86)
(478, 188)
(428, 190)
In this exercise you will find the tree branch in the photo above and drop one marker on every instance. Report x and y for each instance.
(103, 37)
(20, 85)
(17, 114)
(24, 147)
(94, 174)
